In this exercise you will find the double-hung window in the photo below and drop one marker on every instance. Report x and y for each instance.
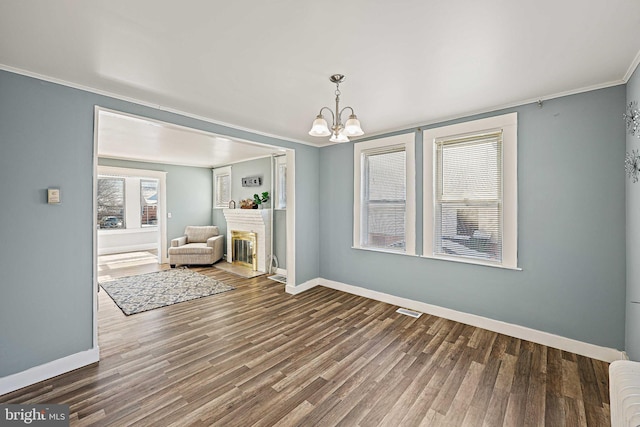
(470, 202)
(384, 208)
(280, 197)
(111, 202)
(148, 202)
(222, 187)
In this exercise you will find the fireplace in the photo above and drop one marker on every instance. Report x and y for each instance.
(249, 221)
(244, 249)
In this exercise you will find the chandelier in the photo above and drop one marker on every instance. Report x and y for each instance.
(339, 132)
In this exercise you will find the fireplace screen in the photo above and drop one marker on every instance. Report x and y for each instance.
(244, 249)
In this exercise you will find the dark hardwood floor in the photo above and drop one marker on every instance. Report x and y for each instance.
(258, 356)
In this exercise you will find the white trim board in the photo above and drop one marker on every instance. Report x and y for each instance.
(632, 68)
(128, 248)
(540, 337)
(132, 100)
(48, 370)
(295, 290)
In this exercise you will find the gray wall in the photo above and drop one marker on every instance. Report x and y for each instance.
(571, 222)
(258, 167)
(251, 168)
(46, 140)
(571, 234)
(633, 238)
(189, 193)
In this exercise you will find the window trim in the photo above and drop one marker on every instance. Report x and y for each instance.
(508, 123)
(162, 222)
(408, 141)
(226, 170)
(278, 162)
(125, 205)
(157, 181)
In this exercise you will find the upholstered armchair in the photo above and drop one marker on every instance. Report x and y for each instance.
(199, 245)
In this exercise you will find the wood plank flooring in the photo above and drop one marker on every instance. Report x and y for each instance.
(258, 356)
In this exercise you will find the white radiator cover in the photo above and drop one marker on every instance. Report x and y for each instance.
(624, 393)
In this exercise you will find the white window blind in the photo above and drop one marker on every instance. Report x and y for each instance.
(468, 202)
(384, 198)
(222, 179)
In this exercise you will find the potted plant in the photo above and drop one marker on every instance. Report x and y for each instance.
(260, 199)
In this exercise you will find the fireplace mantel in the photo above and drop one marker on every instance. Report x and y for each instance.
(254, 220)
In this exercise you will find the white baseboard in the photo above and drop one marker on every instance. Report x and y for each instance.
(281, 271)
(574, 346)
(48, 370)
(294, 290)
(127, 248)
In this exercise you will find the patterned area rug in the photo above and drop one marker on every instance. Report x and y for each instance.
(135, 294)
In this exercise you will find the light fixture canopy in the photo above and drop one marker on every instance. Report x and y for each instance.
(339, 132)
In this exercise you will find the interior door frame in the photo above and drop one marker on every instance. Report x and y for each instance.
(290, 215)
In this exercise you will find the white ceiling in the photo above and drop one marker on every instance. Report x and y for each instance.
(264, 65)
(123, 136)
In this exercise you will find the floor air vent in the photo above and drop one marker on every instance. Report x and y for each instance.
(279, 278)
(408, 312)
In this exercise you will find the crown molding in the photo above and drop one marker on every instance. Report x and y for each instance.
(147, 104)
(632, 67)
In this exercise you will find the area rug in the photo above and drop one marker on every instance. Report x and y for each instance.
(135, 294)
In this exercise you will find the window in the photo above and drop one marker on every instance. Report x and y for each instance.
(148, 202)
(281, 183)
(111, 209)
(470, 202)
(384, 189)
(222, 187)
(468, 197)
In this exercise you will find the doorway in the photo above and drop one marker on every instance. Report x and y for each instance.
(142, 141)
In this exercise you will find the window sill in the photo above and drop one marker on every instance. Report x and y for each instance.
(384, 251)
(472, 262)
(148, 229)
(461, 261)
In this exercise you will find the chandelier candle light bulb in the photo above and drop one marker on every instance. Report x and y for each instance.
(338, 131)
